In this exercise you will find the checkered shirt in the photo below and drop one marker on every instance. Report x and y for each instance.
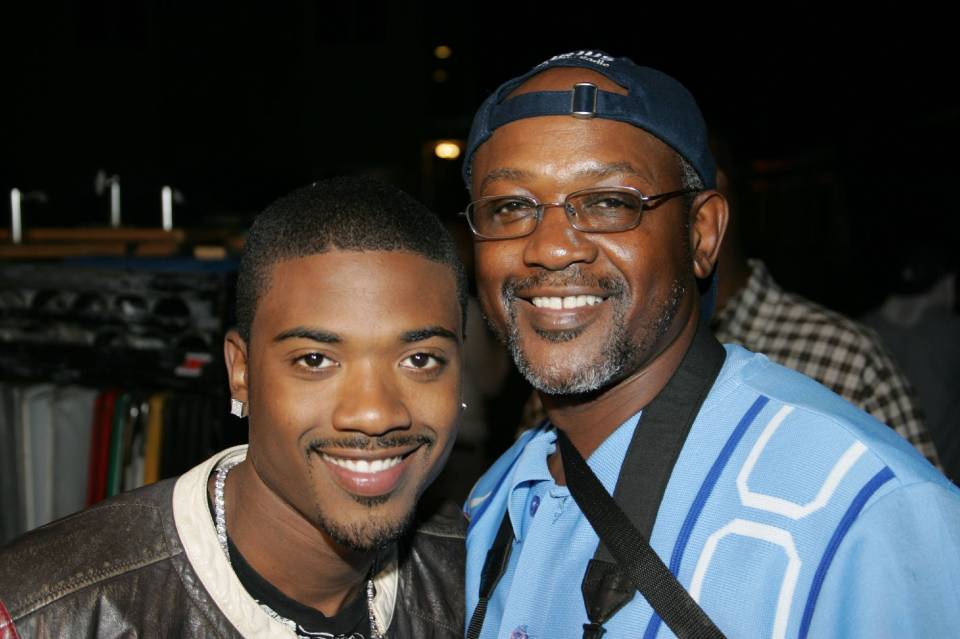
(841, 354)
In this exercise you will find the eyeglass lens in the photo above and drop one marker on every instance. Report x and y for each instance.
(512, 216)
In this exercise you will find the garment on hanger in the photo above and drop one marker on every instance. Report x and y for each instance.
(133, 465)
(120, 419)
(10, 520)
(73, 416)
(154, 438)
(100, 447)
(37, 439)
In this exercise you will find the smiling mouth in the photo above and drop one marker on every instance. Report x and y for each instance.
(368, 478)
(363, 465)
(566, 302)
(370, 470)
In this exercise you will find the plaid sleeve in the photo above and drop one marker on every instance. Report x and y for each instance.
(838, 352)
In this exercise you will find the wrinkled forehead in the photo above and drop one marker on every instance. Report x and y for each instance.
(564, 154)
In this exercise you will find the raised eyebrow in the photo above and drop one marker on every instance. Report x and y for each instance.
(421, 334)
(315, 334)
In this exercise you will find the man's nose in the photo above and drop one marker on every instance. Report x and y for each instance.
(371, 403)
(555, 244)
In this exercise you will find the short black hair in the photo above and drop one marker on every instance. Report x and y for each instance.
(346, 213)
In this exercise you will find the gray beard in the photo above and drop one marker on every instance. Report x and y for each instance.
(618, 356)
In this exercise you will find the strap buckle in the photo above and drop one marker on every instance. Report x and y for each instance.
(583, 100)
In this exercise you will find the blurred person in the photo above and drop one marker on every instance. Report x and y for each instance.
(840, 353)
(920, 324)
(771, 505)
(347, 360)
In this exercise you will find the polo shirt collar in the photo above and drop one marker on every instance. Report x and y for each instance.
(531, 466)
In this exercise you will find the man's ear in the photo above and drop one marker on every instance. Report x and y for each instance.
(709, 215)
(235, 354)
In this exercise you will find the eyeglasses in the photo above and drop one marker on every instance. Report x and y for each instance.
(605, 209)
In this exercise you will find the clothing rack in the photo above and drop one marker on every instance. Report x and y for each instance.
(66, 447)
(90, 349)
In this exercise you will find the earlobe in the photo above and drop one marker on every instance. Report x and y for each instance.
(235, 354)
(708, 224)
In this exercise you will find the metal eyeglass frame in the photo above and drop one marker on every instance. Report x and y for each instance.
(569, 211)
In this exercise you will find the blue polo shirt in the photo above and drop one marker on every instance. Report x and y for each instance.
(789, 513)
(549, 530)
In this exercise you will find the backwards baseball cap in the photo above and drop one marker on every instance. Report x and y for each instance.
(655, 102)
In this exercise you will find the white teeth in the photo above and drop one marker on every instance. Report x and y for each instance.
(570, 301)
(362, 465)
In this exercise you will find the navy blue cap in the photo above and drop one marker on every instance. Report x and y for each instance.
(655, 102)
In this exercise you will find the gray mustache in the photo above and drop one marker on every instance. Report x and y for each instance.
(573, 276)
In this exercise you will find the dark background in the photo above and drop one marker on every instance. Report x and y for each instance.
(843, 120)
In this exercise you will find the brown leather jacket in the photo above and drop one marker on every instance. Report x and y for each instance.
(142, 565)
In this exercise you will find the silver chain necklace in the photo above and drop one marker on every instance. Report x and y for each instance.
(221, 522)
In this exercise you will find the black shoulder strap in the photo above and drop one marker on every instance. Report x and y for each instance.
(651, 456)
(662, 431)
(648, 464)
(493, 568)
(632, 551)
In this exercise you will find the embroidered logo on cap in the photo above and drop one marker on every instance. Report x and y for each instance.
(598, 58)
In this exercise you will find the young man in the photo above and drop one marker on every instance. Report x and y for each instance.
(350, 308)
(775, 507)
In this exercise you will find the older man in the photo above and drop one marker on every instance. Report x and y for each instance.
(777, 508)
(350, 374)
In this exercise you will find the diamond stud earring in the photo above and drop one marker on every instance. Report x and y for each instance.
(236, 407)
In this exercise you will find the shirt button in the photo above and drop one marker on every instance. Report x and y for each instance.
(520, 632)
(534, 504)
